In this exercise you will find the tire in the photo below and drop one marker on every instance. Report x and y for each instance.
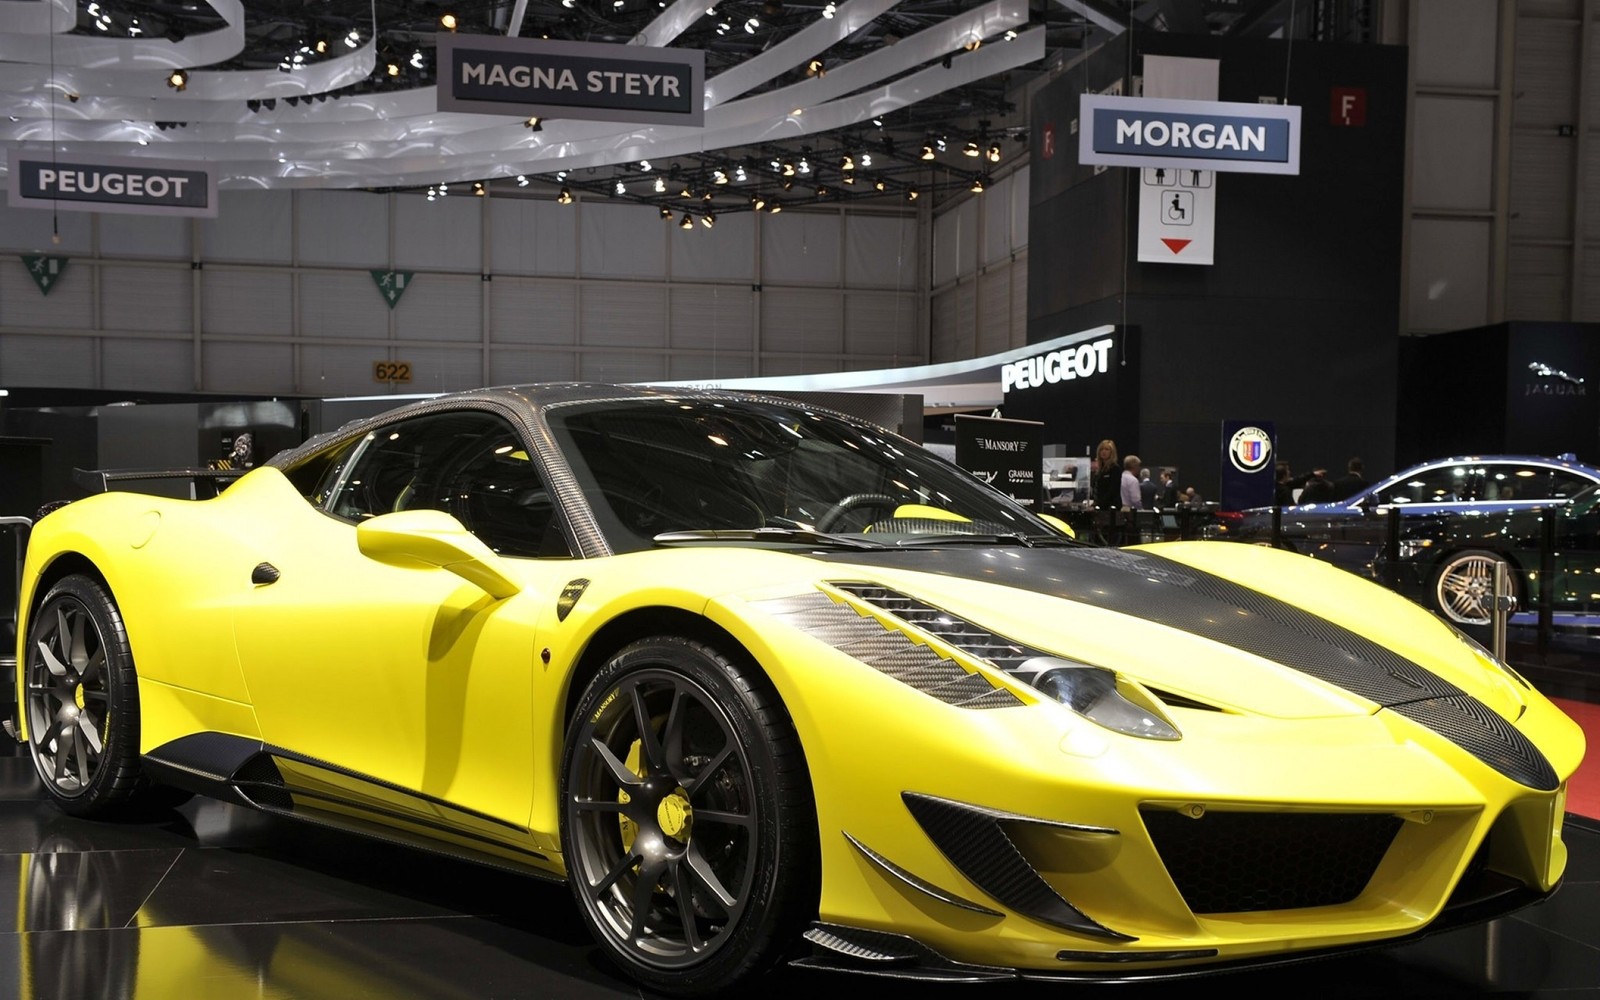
(1463, 586)
(692, 851)
(82, 700)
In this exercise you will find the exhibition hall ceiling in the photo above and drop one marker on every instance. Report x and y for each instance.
(806, 100)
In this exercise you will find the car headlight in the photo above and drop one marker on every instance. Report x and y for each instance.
(1099, 695)
(1410, 548)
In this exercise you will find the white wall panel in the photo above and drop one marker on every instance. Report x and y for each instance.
(1541, 189)
(32, 231)
(517, 367)
(880, 252)
(946, 247)
(70, 304)
(342, 370)
(993, 311)
(799, 365)
(634, 367)
(1546, 74)
(148, 365)
(441, 235)
(801, 248)
(346, 228)
(967, 245)
(967, 320)
(942, 319)
(67, 362)
(441, 307)
(530, 311)
(1538, 284)
(710, 368)
(800, 320)
(726, 252)
(1588, 308)
(1454, 42)
(1449, 270)
(532, 237)
(250, 227)
(621, 241)
(1019, 301)
(996, 213)
(1019, 208)
(443, 369)
(342, 304)
(712, 317)
(1452, 152)
(145, 235)
(146, 298)
(252, 301)
(882, 323)
(256, 368)
(621, 314)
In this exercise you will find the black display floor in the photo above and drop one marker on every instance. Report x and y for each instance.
(218, 902)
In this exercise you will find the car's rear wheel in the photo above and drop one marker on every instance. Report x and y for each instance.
(1463, 586)
(82, 699)
(686, 822)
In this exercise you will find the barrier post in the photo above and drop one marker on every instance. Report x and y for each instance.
(1500, 611)
(1547, 573)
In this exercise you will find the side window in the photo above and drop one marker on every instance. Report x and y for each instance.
(470, 465)
(1514, 481)
(1444, 484)
(1566, 484)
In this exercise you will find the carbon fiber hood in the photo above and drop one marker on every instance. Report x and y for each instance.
(1149, 587)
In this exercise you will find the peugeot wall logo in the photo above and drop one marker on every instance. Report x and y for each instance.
(1250, 449)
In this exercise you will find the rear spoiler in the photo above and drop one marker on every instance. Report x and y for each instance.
(203, 483)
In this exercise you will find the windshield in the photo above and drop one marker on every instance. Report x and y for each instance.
(654, 466)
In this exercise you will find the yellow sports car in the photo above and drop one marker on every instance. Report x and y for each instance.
(766, 683)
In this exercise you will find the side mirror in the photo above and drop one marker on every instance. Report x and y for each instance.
(416, 538)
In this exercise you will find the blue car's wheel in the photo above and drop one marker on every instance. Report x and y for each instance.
(686, 821)
(1463, 586)
(82, 699)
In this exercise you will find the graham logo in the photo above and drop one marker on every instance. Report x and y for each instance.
(1250, 449)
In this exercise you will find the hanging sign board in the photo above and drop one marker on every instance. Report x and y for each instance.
(536, 77)
(1006, 454)
(110, 184)
(1249, 463)
(1202, 135)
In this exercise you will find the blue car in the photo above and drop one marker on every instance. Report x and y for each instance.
(1351, 532)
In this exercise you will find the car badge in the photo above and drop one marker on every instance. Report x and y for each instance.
(569, 597)
(1250, 449)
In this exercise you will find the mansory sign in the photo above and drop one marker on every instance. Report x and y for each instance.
(1206, 135)
(490, 74)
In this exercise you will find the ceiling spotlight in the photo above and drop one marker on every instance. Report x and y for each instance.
(666, 213)
(686, 223)
(775, 208)
(977, 185)
(912, 193)
(739, 174)
(252, 104)
(972, 149)
(444, 189)
(828, 10)
(879, 184)
(178, 79)
(815, 68)
(569, 4)
(431, 195)
(394, 69)
(661, 186)
(878, 122)
(993, 155)
(644, 165)
(866, 159)
(788, 182)
(939, 144)
(822, 190)
(708, 220)
(416, 59)
(706, 196)
(1011, 35)
(972, 43)
(478, 189)
(522, 180)
(757, 202)
(687, 192)
(565, 197)
(447, 21)
(352, 40)
(751, 25)
(805, 167)
(621, 188)
(848, 163)
(561, 175)
(788, 168)
(719, 176)
(927, 151)
(535, 123)
(849, 178)
(322, 46)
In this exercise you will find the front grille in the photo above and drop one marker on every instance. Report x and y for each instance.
(1240, 862)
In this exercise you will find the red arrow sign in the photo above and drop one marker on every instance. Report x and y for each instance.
(1176, 246)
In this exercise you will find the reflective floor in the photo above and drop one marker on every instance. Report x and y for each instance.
(217, 902)
(213, 902)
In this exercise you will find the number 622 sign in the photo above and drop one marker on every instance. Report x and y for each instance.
(391, 371)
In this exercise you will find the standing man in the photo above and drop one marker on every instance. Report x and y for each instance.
(1132, 499)
(1352, 482)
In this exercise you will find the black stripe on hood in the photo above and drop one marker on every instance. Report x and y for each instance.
(1157, 589)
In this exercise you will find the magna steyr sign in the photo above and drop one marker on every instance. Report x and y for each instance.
(110, 184)
(491, 74)
(1203, 135)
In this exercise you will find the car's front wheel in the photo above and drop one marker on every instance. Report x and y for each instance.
(82, 699)
(686, 822)
(1463, 586)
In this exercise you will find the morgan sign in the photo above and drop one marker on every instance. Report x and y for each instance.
(489, 74)
(1204, 135)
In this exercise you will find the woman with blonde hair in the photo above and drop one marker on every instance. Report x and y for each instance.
(1107, 476)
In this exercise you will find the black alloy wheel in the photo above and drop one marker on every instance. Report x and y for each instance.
(687, 824)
